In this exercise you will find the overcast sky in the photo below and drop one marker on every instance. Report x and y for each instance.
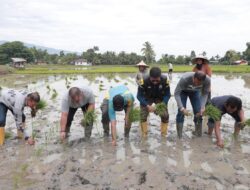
(172, 26)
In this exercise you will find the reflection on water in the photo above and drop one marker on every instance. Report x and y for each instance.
(153, 150)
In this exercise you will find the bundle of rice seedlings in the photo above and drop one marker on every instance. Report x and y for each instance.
(41, 104)
(247, 122)
(90, 117)
(8, 135)
(213, 112)
(134, 115)
(160, 108)
(48, 88)
(54, 95)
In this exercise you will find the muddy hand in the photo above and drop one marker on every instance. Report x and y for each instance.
(186, 112)
(151, 108)
(220, 144)
(62, 135)
(114, 143)
(31, 141)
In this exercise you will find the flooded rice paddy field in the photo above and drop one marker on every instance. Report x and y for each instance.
(152, 163)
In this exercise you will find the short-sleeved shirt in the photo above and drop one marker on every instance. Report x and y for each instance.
(15, 100)
(220, 102)
(119, 90)
(88, 98)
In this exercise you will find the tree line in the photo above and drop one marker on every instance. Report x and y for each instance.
(94, 56)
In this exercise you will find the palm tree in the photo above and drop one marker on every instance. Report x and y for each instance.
(148, 52)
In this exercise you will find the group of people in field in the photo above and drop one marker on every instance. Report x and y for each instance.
(153, 88)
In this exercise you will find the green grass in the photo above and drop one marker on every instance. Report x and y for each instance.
(69, 69)
(213, 112)
(160, 108)
(134, 115)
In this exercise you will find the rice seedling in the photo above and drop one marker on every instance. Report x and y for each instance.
(247, 122)
(90, 117)
(48, 88)
(160, 108)
(41, 105)
(134, 115)
(54, 95)
(116, 80)
(213, 112)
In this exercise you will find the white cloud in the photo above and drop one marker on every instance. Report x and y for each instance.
(173, 27)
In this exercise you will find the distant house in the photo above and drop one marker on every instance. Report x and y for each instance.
(240, 62)
(18, 62)
(81, 62)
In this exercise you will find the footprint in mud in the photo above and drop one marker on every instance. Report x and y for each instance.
(55, 183)
(142, 178)
(79, 180)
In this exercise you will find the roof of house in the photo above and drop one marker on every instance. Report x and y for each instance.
(15, 59)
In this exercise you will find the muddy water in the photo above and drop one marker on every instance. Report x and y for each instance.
(153, 163)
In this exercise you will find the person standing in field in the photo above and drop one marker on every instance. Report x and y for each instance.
(170, 70)
(117, 99)
(76, 97)
(196, 87)
(231, 105)
(15, 101)
(154, 88)
(202, 64)
(142, 71)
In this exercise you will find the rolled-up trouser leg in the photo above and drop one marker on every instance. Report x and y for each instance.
(195, 99)
(210, 125)
(89, 126)
(127, 125)
(127, 130)
(70, 118)
(3, 112)
(144, 115)
(105, 117)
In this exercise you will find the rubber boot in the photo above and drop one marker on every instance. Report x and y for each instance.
(198, 129)
(2, 135)
(179, 128)
(126, 131)
(144, 129)
(164, 129)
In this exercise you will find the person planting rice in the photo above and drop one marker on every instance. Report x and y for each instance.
(154, 88)
(196, 86)
(76, 97)
(231, 105)
(16, 101)
(117, 99)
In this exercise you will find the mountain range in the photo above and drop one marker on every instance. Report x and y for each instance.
(49, 49)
